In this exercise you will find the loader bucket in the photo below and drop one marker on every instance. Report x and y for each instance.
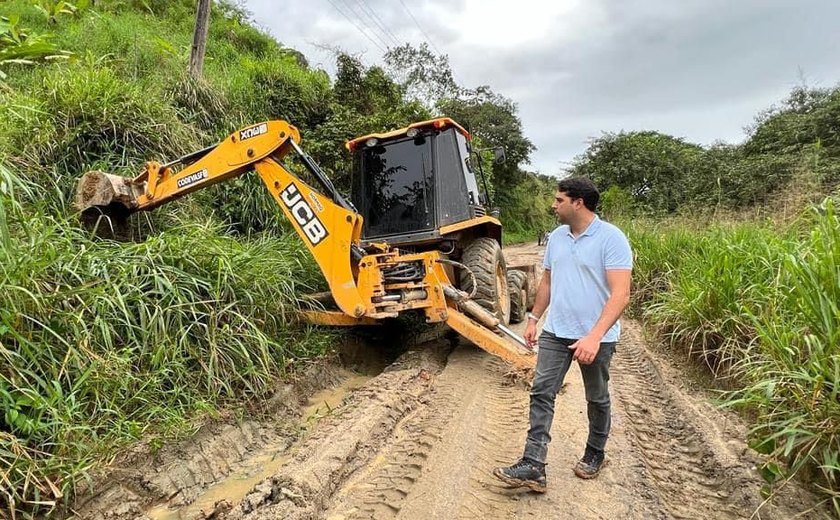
(100, 194)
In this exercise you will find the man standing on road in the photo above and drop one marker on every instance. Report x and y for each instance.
(587, 281)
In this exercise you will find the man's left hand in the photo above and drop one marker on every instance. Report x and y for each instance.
(586, 348)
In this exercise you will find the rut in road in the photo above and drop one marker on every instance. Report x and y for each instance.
(691, 467)
(436, 464)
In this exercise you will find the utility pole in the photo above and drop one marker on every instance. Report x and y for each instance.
(199, 45)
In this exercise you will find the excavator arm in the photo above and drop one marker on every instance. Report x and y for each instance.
(329, 225)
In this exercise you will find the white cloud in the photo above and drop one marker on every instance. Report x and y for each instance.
(500, 24)
(699, 69)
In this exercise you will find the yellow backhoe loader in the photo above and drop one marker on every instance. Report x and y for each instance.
(422, 239)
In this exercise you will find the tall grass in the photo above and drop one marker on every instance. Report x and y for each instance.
(100, 341)
(760, 304)
(83, 117)
(793, 377)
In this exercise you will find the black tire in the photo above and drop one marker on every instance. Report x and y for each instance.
(483, 256)
(518, 296)
(530, 292)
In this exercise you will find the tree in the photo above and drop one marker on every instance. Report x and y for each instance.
(366, 90)
(365, 100)
(426, 77)
(491, 117)
(199, 44)
(653, 167)
(806, 117)
(803, 134)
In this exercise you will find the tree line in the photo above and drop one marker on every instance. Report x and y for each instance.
(792, 146)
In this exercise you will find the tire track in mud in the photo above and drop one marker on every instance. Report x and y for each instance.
(436, 465)
(344, 442)
(385, 485)
(506, 420)
(692, 470)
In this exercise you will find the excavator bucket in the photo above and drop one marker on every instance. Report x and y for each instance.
(103, 192)
(106, 198)
(105, 201)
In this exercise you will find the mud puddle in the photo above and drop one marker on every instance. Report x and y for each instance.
(266, 461)
(229, 491)
(326, 401)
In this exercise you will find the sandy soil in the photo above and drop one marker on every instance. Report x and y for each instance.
(419, 441)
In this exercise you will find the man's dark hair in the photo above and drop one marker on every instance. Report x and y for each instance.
(580, 188)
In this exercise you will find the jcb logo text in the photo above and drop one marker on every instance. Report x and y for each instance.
(303, 214)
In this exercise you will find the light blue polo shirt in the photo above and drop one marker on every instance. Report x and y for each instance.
(579, 287)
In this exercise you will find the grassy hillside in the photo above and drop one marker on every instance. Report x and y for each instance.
(103, 343)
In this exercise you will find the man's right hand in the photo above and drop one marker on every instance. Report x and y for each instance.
(531, 333)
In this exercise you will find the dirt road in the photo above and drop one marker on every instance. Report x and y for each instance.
(419, 440)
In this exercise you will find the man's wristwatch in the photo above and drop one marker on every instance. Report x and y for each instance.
(532, 316)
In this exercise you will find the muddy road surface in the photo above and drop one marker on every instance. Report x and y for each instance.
(418, 440)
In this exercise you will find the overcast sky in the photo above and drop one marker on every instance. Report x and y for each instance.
(698, 69)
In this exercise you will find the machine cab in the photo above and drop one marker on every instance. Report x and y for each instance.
(409, 183)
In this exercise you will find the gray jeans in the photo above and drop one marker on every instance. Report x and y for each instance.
(553, 361)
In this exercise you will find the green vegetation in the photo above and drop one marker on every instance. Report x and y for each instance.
(795, 144)
(104, 343)
(738, 264)
(757, 302)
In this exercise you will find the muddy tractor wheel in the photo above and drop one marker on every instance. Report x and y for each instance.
(518, 296)
(483, 256)
(530, 289)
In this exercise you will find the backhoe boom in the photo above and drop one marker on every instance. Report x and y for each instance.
(330, 228)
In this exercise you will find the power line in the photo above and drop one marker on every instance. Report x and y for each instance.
(380, 25)
(428, 39)
(356, 26)
(361, 19)
(376, 18)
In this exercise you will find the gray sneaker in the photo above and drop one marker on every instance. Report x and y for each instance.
(590, 465)
(523, 474)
